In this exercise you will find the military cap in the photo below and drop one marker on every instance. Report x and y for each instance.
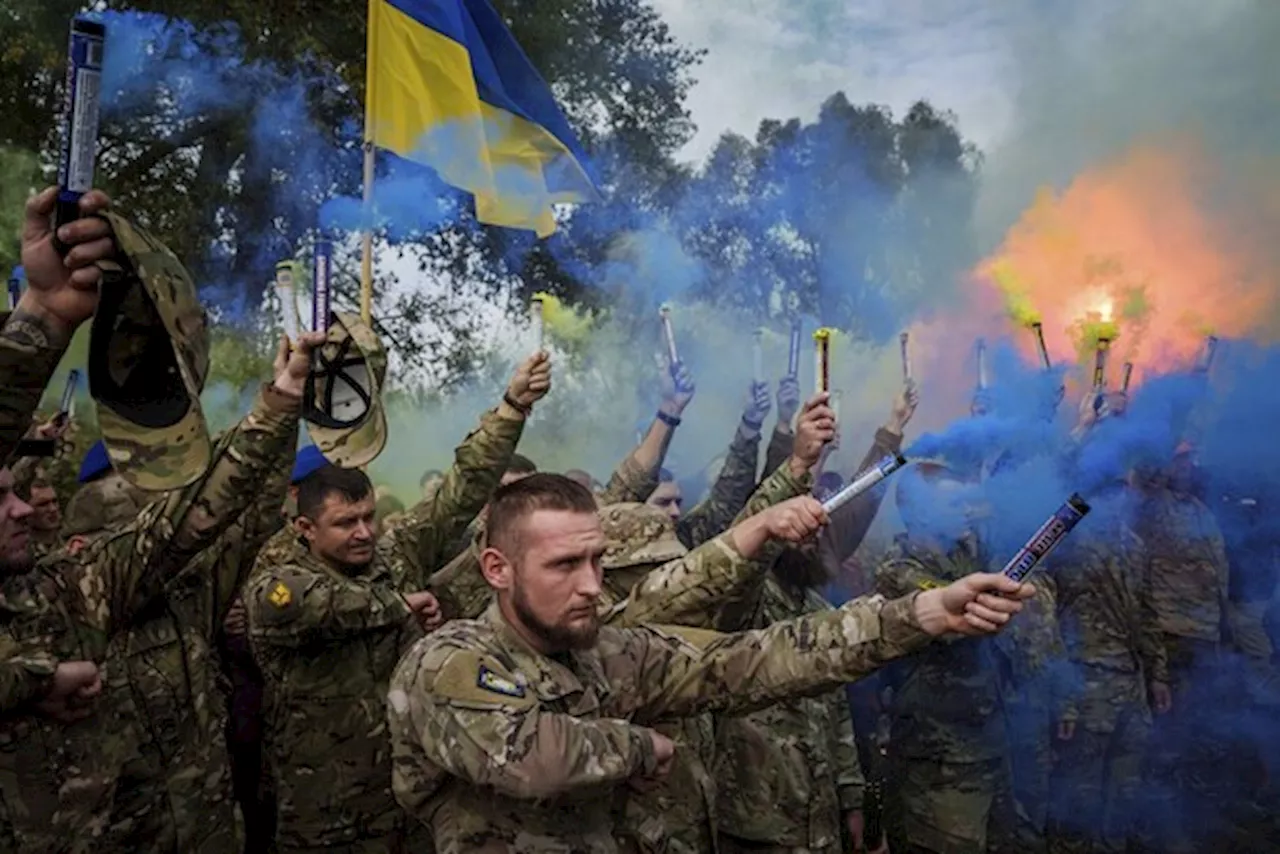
(342, 401)
(308, 461)
(101, 504)
(148, 359)
(637, 534)
(95, 463)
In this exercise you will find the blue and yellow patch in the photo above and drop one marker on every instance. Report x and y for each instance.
(497, 683)
(280, 595)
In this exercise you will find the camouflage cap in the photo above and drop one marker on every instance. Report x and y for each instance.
(105, 502)
(343, 405)
(148, 358)
(637, 534)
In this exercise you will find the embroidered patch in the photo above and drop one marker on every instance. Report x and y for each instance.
(280, 595)
(497, 683)
(929, 584)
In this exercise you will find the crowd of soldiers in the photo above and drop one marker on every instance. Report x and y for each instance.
(222, 645)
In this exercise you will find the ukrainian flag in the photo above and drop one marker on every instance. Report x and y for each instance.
(449, 87)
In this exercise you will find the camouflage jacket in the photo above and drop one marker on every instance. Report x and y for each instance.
(729, 494)
(788, 773)
(327, 643)
(56, 782)
(26, 370)
(1189, 569)
(630, 481)
(499, 748)
(946, 700)
(175, 793)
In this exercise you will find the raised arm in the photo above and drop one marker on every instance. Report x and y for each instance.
(736, 480)
(435, 523)
(637, 476)
(61, 294)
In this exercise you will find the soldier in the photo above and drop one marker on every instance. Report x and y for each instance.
(1112, 635)
(514, 732)
(948, 772)
(1189, 582)
(150, 336)
(790, 774)
(329, 618)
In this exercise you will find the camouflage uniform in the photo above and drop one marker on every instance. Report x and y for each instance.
(26, 370)
(787, 774)
(948, 777)
(649, 579)
(176, 793)
(1112, 636)
(327, 643)
(57, 782)
(790, 772)
(498, 748)
(1189, 580)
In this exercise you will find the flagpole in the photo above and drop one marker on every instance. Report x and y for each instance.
(366, 244)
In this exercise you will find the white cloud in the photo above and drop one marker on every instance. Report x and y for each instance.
(782, 58)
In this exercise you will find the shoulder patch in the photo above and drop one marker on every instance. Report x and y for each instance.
(497, 683)
(929, 584)
(280, 595)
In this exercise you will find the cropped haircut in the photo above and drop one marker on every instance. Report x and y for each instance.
(514, 503)
(352, 484)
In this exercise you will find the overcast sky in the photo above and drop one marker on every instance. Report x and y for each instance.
(782, 58)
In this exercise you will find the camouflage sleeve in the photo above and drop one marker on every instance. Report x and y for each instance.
(118, 574)
(631, 481)
(850, 523)
(460, 587)
(471, 717)
(729, 494)
(234, 551)
(691, 590)
(900, 576)
(26, 369)
(1047, 646)
(775, 489)
(435, 523)
(25, 675)
(851, 783)
(677, 672)
(291, 605)
(1151, 648)
(781, 444)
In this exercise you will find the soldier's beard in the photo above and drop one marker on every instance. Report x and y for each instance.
(558, 638)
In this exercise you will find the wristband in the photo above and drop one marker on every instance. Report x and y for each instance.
(670, 420)
(514, 404)
(752, 425)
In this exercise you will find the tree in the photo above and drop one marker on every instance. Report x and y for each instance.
(854, 219)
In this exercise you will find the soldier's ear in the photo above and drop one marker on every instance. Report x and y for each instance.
(305, 527)
(496, 568)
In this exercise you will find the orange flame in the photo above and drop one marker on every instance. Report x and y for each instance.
(1156, 250)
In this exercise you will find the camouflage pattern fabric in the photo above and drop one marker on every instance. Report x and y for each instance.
(781, 445)
(25, 674)
(947, 744)
(1189, 569)
(175, 793)
(788, 774)
(104, 503)
(327, 643)
(56, 782)
(161, 443)
(364, 364)
(631, 481)
(638, 535)
(729, 494)
(26, 370)
(498, 748)
(1111, 631)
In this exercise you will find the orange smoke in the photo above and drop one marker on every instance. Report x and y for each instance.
(1158, 248)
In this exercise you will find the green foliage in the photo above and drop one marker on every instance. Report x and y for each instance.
(18, 174)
